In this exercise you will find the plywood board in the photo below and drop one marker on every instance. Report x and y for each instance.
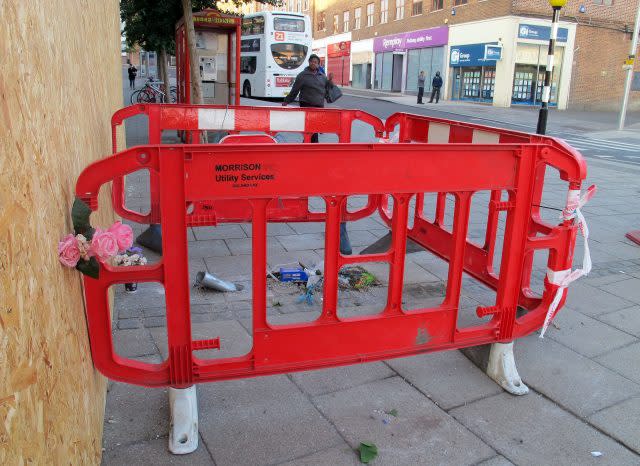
(60, 82)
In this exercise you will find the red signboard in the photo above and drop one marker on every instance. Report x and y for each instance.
(284, 81)
(279, 35)
(340, 49)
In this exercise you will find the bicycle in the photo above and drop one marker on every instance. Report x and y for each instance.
(151, 93)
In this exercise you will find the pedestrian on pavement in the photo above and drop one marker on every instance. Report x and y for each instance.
(421, 79)
(312, 85)
(436, 84)
(133, 71)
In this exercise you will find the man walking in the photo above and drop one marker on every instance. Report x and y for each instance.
(421, 79)
(436, 84)
(312, 85)
(133, 71)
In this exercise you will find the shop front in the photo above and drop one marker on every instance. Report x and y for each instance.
(530, 64)
(506, 63)
(473, 71)
(399, 58)
(339, 62)
(361, 63)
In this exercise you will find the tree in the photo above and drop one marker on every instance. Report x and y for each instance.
(151, 24)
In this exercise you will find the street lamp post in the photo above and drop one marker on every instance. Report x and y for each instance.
(546, 92)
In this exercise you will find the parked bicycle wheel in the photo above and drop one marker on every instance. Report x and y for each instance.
(134, 96)
(146, 96)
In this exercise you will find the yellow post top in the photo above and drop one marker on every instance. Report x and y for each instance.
(557, 3)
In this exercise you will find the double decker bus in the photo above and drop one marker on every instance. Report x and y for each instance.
(275, 47)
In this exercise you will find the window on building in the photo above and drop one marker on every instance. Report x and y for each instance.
(299, 6)
(399, 9)
(416, 8)
(603, 2)
(370, 12)
(336, 23)
(321, 21)
(384, 11)
(438, 5)
(357, 13)
(460, 2)
(305, 5)
(345, 21)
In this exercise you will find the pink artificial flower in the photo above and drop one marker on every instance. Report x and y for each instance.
(68, 251)
(104, 245)
(123, 234)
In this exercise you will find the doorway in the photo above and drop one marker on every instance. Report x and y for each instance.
(396, 79)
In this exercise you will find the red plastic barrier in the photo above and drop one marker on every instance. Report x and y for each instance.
(234, 120)
(186, 173)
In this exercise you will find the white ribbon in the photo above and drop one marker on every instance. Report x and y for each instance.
(392, 140)
(562, 278)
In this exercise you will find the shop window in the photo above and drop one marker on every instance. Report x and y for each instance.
(345, 21)
(488, 83)
(370, 12)
(357, 14)
(523, 84)
(384, 11)
(437, 5)
(416, 8)
(399, 9)
(321, 21)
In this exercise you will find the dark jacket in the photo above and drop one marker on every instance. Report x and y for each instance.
(311, 86)
(132, 71)
(437, 81)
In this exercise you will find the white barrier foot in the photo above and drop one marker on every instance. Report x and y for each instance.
(502, 369)
(183, 431)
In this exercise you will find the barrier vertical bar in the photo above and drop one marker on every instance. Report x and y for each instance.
(456, 264)
(492, 228)
(441, 203)
(175, 265)
(331, 258)
(259, 263)
(398, 245)
(515, 237)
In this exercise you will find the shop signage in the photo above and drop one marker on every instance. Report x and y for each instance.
(470, 55)
(214, 17)
(340, 49)
(537, 32)
(412, 40)
(492, 52)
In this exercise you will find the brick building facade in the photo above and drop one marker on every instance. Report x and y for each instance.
(598, 42)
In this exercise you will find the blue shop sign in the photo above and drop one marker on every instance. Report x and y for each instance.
(536, 32)
(471, 55)
(492, 52)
